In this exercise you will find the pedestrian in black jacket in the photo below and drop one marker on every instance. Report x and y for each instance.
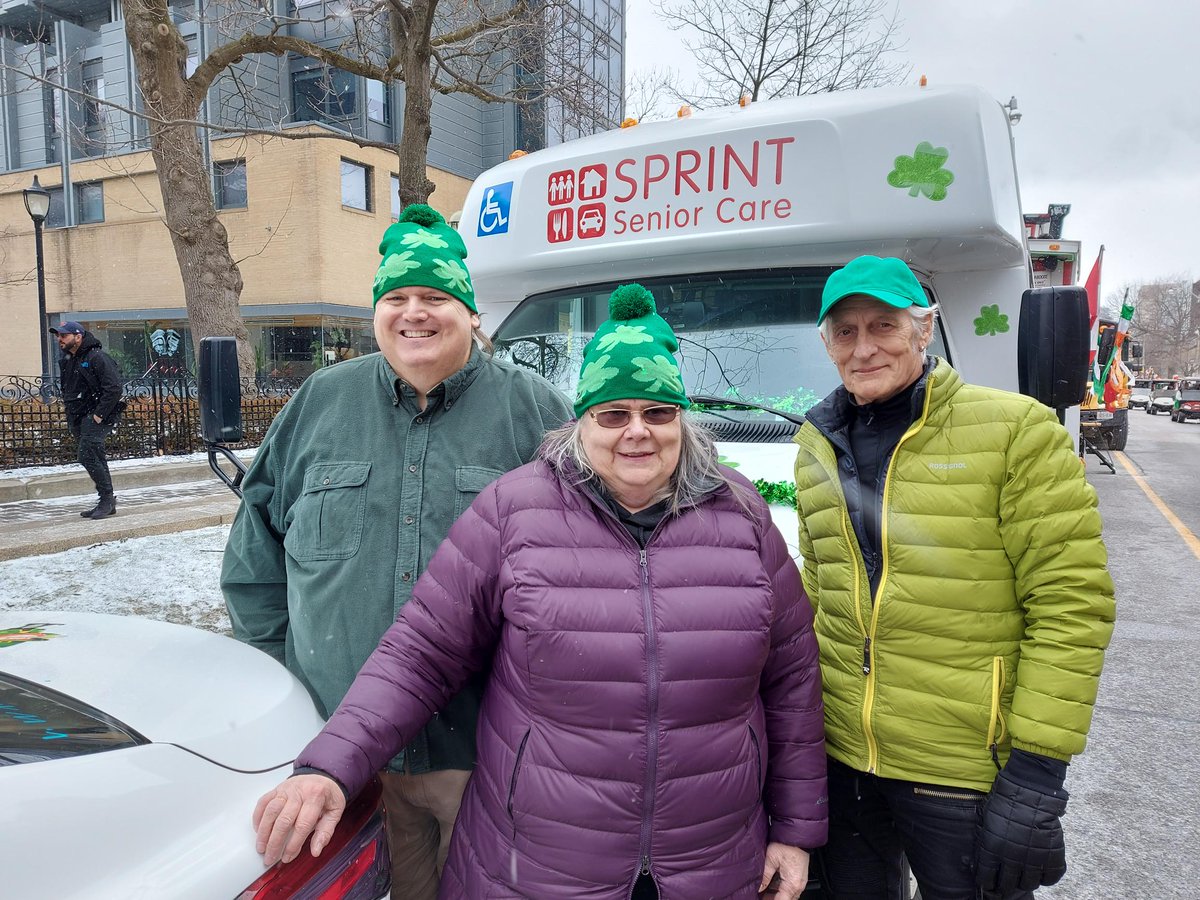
(91, 390)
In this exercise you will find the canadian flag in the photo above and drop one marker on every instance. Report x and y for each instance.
(1092, 285)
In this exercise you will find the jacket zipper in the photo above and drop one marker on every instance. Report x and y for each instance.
(652, 728)
(868, 668)
(996, 727)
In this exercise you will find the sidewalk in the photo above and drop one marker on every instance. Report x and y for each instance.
(39, 513)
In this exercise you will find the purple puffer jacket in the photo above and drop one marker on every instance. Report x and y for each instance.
(643, 706)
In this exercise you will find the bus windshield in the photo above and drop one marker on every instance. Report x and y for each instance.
(743, 336)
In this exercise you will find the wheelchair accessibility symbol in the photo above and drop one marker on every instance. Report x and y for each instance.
(493, 211)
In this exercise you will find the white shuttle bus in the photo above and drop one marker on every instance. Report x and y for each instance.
(734, 218)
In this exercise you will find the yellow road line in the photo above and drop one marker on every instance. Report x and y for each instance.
(1184, 532)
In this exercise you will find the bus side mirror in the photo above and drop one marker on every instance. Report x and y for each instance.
(1052, 345)
(221, 406)
(1133, 349)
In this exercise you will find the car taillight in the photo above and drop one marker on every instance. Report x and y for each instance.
(354, 866)
(1192, 404)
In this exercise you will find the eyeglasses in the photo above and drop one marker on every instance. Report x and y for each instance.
(619, 418)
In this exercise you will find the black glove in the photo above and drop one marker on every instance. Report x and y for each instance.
(1020, 841)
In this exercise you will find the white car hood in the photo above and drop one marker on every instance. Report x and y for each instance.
(212, 695)
(770, 462)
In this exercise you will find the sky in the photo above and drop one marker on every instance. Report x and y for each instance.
(1107, 93)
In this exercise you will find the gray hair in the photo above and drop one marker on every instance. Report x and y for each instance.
(696, 475)
(920, 316)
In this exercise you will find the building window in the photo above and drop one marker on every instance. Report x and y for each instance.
(229, 184)
(395, 198)
(89, 205)
(324, 95)
(379, 107)
(94, 111)
(356, 186)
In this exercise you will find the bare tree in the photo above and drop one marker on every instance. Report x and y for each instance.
(1166, 320)
(765, 49)
(534, 53)
(650, 93)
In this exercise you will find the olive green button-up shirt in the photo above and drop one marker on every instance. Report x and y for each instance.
(350, 494)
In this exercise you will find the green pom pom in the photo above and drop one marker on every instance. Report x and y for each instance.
(421, 214)
(630, 301)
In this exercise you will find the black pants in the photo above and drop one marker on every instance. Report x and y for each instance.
(644, 889)
(91, 450)
(874, 821)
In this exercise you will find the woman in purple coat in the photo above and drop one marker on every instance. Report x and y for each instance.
(652, 723)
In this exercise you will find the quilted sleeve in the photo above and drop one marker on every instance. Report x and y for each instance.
(1051, 529)
(795, 793)
(444, 633)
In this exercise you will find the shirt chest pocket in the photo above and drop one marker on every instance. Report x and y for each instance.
(327, 520)
(468, 482)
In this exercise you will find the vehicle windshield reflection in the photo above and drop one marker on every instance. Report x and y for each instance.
(748, 336)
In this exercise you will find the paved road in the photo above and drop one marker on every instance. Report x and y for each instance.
(1132, 824)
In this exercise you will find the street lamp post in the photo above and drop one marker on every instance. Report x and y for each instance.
(37, 204)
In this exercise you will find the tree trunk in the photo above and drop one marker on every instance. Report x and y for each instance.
(212, 284)
(412, 149)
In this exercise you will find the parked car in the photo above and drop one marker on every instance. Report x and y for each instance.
(1187, 400)
(1162, 396)
(132, 753)
(1139, 394)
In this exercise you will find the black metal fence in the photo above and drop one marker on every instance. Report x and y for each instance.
(162, 418)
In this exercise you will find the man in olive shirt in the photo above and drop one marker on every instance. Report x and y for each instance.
(355, 486)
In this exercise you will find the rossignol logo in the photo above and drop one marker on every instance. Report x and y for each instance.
(494, 210)
(948, 465)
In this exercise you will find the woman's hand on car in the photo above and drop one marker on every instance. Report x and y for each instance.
(286, 816)
(792, 865)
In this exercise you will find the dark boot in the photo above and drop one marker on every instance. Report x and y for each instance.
(105, 508)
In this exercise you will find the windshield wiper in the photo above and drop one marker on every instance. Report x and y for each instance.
(729, 403)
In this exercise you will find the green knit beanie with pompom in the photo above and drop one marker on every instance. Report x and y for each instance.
(630, 357)
(420, 249)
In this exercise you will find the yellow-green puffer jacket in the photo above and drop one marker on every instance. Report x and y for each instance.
(994, 606)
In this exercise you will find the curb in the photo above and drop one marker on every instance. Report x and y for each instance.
(46, 487)
(68, 532)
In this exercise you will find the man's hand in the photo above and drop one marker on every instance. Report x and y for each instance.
(1020, 844)
(97, 419)
(792, 865)
(286, 816)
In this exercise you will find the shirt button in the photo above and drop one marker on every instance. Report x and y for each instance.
(326, 481)
(407, 576)
(419, 420)
(449, 403)
(412, 468)
(408, 520)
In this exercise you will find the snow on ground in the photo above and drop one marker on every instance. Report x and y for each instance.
(170, 577)
(143, 462)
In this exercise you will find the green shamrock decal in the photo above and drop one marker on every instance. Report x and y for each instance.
(658, 372)
(395, 265)
(453, 273)
(922, 173)
(594, 376)
(423, 238)
(726, 461)
(991, 321)
(623, 334)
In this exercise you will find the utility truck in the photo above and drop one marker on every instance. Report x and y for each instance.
(734, 218)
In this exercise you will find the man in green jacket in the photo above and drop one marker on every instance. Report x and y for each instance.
(952, 553)
(354, 487)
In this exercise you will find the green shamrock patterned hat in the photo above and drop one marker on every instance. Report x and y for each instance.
(420, 249)
(630, 357)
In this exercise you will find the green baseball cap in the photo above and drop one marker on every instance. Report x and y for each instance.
(886, 279)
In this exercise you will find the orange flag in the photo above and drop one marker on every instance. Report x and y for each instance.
(1093, 289)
